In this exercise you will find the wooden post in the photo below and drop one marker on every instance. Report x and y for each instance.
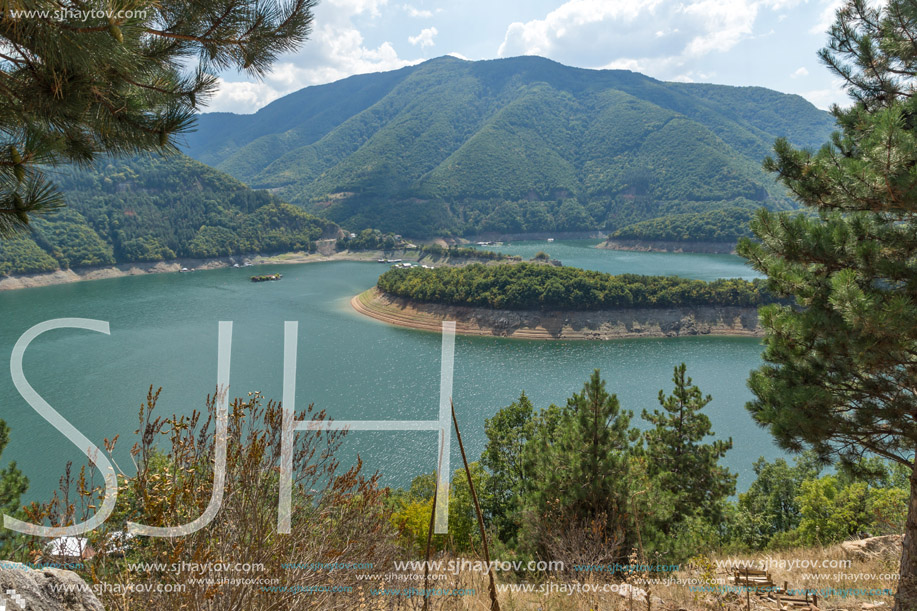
(747, 592)
(426, 566)
(494, 603)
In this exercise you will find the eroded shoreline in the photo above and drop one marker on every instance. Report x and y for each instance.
(9, 283)
(722, 248)
(729, 321)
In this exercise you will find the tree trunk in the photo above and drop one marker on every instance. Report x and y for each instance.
(906, 597)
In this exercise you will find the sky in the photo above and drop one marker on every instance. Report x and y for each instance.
(767, 43)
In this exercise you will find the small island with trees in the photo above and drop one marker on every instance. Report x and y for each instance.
(716, 230)
(538, 301)
(267, 278)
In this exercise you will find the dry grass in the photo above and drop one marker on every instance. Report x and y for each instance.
(678, 596)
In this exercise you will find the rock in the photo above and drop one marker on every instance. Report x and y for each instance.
(629, 591)
(873, 547)
(44, 590)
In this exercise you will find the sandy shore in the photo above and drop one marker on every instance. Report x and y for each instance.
(598, 325)
(8, 283)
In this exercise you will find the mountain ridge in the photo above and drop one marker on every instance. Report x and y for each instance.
(451, 146)
(154, 208)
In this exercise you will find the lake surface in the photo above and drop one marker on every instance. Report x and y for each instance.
(581, 253)
(164, 333)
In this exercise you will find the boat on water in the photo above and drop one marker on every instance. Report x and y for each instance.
(267, 278)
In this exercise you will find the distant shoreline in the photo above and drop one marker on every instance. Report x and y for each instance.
(67, 276)
(724, 248)
(26, 281)
(731, 321)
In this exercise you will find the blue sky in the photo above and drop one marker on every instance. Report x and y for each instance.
(768, 43)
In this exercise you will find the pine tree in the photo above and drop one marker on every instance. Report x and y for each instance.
(580, 475)
(13, 485)
(840, 371)
(678, 459)
(81, 79)
(507, 434)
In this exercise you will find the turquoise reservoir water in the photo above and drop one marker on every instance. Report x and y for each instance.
(164, 333)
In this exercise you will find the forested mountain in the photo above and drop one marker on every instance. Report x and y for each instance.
(510, 145)
(154, 208)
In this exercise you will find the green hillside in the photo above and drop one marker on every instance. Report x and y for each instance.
(512, 145)
(157, 208)
(726, 224)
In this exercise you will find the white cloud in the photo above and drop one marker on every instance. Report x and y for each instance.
(335, 50)
(800, 72)
(658, 37)
(416, 12)
(542, 36)
(722, 24)
(241, 96)
(357, 7)
(425, 38)
(826, 17)
(825, 97)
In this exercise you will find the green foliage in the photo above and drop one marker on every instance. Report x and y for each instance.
(154, 209)
(21, 255)
(828, 514)
(792, 506)
(369, 239)
(411, 510)
(507, 434)
(145, 249)
(87, 81)
(458, 253)
(71, 241)
(770, 503)
(726, 224)
(412, 519)
(13, 485)
(530, 286)
(514, 145)
(463, 520)
(839, 369)
(581, 472)
(833, 510)
(576, 480)
(683, 465)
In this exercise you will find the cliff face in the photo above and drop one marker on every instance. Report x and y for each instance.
(601, 324)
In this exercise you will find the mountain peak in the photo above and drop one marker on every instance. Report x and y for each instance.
(525, 143)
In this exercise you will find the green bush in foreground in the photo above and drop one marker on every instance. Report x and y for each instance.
(528, 286)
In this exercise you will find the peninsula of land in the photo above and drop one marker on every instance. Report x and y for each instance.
(617, 323)
(528, 300)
